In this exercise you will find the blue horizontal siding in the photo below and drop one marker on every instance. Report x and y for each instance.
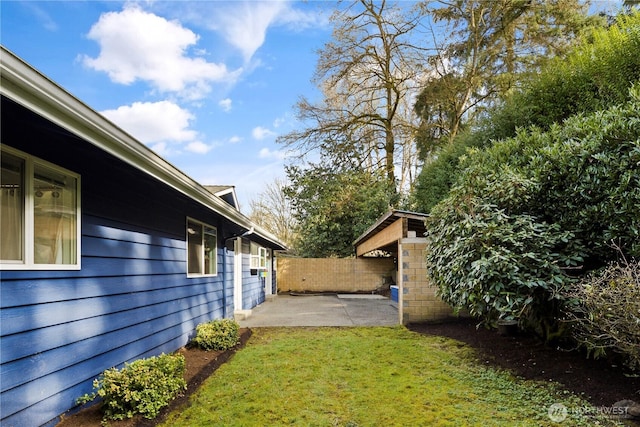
(33, 291)
(21, 345)
(111, 230)
(103, 267)
(36, 393)
(67, 366)
(26, 318)
(131, 299)
(109, 248)
(49, 408)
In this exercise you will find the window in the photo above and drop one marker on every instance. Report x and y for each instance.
(202, 249)
(39, 214)
(258, 257)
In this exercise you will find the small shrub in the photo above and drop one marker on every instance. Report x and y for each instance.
(221, 334)
(605, 314)
(141, 387)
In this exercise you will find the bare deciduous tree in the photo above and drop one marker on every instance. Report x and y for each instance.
(368, 75)
(272, 211)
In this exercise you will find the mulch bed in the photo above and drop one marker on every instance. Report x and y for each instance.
(602, 382)
(599, 381)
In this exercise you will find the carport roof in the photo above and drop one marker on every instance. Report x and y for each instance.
(413, 221)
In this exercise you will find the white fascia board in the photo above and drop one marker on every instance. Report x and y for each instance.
(33, 90)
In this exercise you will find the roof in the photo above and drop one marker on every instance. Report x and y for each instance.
(219, 188)
(28, 87)
(415, 222)
(226, 193)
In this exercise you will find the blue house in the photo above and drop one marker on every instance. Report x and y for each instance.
(108, 253)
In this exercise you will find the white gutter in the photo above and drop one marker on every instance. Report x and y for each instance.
(33, 90)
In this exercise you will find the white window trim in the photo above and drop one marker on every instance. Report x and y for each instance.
(203, 225)
(263, 258)
(258, 261)
(27, 263)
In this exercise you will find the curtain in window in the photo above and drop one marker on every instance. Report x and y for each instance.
(194, 248)
(54, 218)
(11, 208)
(11, 224)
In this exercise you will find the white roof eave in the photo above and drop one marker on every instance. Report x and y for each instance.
(28, 87)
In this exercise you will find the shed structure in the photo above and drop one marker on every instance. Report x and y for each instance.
(400, 234)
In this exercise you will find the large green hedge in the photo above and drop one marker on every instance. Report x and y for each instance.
(533, 211)
(439, 173)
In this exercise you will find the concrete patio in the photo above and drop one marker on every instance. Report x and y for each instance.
(323, 310)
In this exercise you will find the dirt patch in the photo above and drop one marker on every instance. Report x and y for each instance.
(199, 364)
(602, 382)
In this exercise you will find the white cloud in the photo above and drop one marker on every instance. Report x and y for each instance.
(41, 15)
(198, 147)
(137, 45)
(301, 20)
(235, 139)
(225, 104)
(266, 153)
(161, 149)
(261, 133)
(153, 122)
(244, 24)
(249, 181)
(286, 119)
(278, 122)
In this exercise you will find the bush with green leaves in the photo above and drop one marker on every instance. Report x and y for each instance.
(142, 387)
(604, 312)
(498, 265)
(440, 172)
(531, 209)
(220, 334)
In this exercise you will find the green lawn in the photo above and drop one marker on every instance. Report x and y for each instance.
(366, 377)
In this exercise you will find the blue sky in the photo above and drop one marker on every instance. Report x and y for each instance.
(208, 85)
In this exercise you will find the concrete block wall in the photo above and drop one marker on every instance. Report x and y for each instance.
(340, 275)
(417, 300)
